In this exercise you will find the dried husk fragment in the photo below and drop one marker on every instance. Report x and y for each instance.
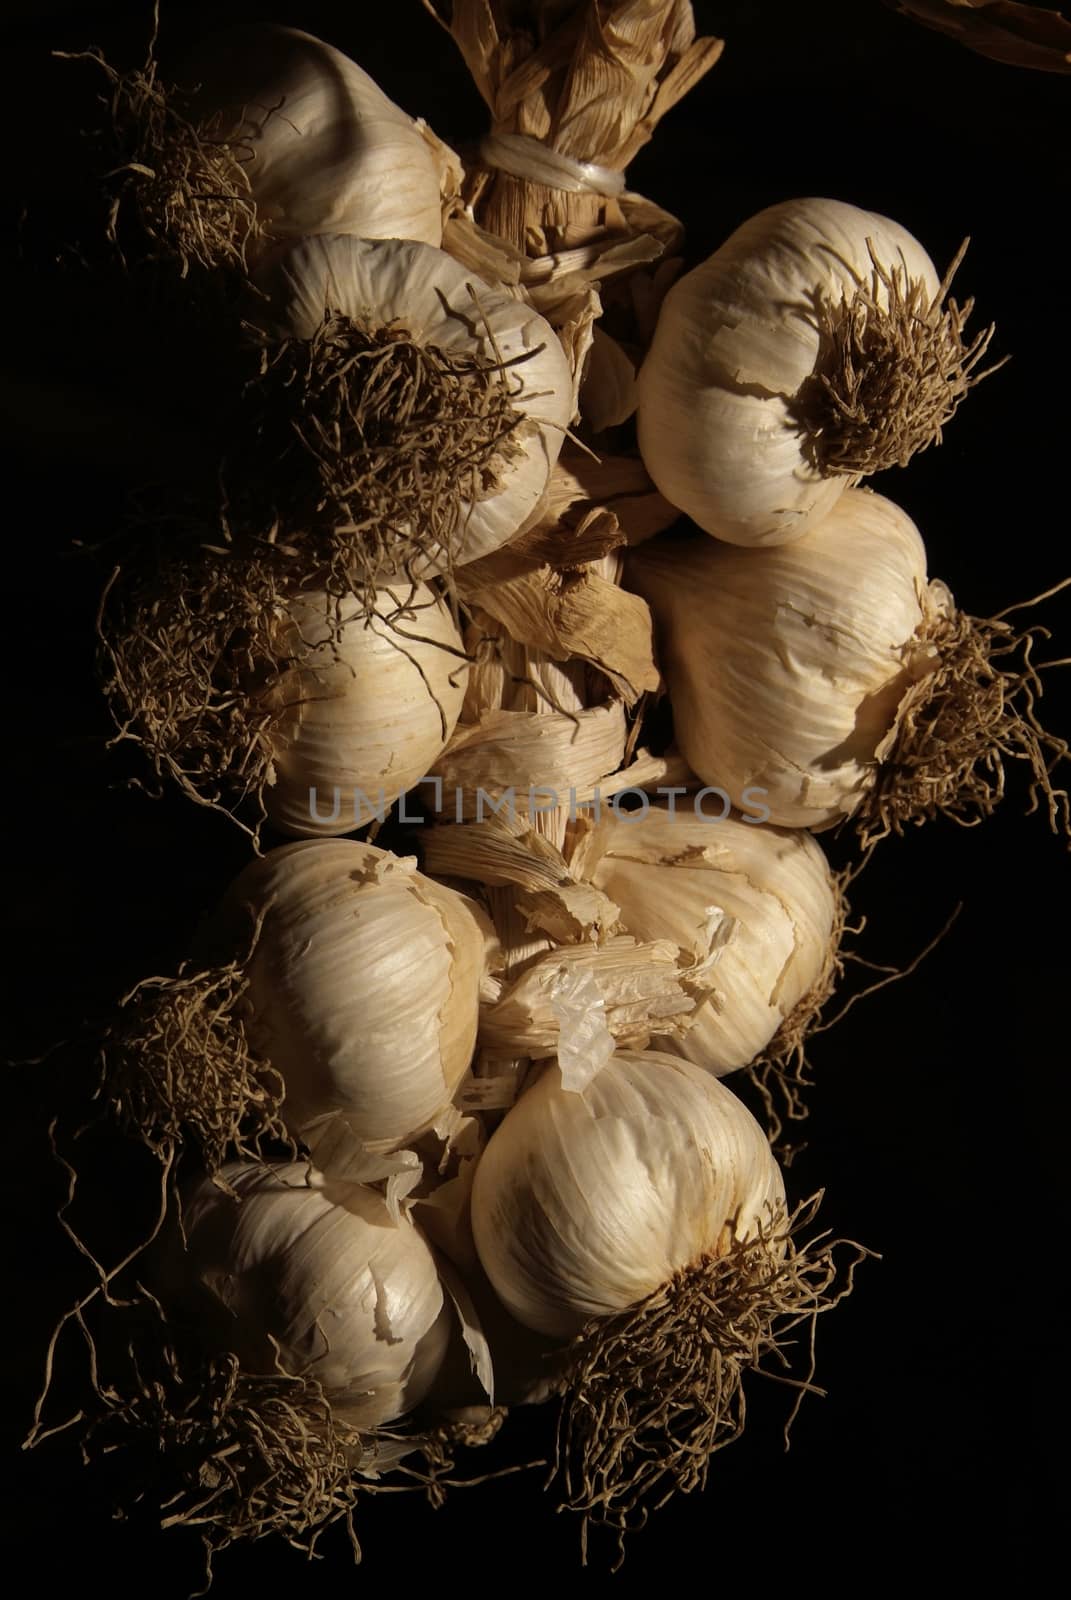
(577, 615)
(1018, 35)
(578, 1001)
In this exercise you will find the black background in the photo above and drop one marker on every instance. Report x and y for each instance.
(936, 1127)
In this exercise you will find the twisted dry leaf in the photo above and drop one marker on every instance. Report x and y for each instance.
(1019, 36)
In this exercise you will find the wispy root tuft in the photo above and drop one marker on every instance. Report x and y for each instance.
(231, 1456)
(177, 192)
(893, 369)
(378, 448)
(656, 1390)
(185, 653)
(177, 1069)
(961, 722)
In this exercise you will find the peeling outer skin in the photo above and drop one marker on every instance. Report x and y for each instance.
(582, 1002)
(506, 852)
(779, 896)
(579, 615)
(519, 750)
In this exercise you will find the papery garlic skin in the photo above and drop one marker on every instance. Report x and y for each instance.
(786, 665)
(439, 303)
(324, 149)
(318, 1280)
(666, 872)
(367, 713)
(735, 341)
(585, 1203)
(363, 986)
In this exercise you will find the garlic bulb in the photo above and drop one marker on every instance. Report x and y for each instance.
(396, 291)
(787, 666)
(809, 350)
(643, 1219)
(363, 987)
(317, 1279)
(583, 1204)
(668, 872)
(368, 708)
(322, 147)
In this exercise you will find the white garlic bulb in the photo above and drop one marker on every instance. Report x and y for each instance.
(667, 873)
(363, 986)
(437, 303)
(368, 708)
(740, 337)
(318, 1279)
(787, 666)
(583, 1204)
(323, 148)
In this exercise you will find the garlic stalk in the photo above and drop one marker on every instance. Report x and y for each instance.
(446, 400)
(573, 94)
(644, 1219)
(828, 678)
(317, 1280)
(363, 991)
(364, 712)
(813, 348)
(670, 872)
(533, 741)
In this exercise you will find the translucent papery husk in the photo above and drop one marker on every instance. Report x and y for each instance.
(828, 678)
(817, 345)
(590, 83)
(363, 993)
(270, 134)
(579, 1004)
(417, 409)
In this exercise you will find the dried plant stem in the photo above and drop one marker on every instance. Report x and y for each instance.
(961, 722)
(654, 1391)
(893, 368)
